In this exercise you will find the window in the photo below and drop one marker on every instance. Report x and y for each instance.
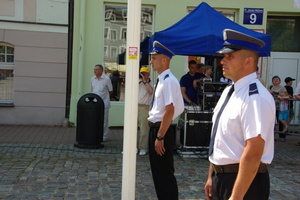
(6, 73)
(122, 49)
(123, 33)
(113, 51)
(114, 36)
(106, 32)
(285, 33)
(105, 51)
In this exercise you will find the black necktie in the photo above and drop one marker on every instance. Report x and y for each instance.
(153, 94)
(213, 135)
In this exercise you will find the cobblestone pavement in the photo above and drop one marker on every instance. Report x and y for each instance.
(56, 170)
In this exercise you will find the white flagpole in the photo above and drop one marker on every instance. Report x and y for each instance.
(131, 99)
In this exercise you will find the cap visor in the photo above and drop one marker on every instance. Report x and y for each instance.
(226, 50)
(154, 52)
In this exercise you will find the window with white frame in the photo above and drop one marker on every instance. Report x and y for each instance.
(106, 32)
(123, 33)
(113, 51)
(7, 65)
(122, 49)
(115, 34)
(105, 51)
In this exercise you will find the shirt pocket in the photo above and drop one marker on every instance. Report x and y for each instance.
(230, 121)
(101, 88)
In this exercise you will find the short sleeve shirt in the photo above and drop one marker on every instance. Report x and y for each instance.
(167, 92)
(102, 87)
(249, 113)
(187, 82)
(144, 97)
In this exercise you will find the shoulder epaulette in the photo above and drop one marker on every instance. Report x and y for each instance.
(166, 76)
(253, 89)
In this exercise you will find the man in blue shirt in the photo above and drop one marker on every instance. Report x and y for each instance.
(189, 93)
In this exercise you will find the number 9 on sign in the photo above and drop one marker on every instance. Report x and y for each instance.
(252, 18)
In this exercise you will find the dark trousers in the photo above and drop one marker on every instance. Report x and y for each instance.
(223, 184)
(162, 167)
(280, 125)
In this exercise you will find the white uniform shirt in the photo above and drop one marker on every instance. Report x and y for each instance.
(247, 114)
(102, 87)
(167, 92)
(144, 97)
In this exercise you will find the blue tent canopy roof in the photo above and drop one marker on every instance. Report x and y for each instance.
(201, 33)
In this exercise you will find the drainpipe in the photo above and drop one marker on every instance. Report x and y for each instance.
(69, 61)
(81, 47)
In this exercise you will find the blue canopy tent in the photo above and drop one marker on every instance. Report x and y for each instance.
(200, 33)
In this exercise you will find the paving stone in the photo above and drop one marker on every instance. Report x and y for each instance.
(60, 171)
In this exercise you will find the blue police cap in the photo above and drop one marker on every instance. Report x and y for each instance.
(158, 48)
(235, 41)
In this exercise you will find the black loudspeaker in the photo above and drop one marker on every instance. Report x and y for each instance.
(198, 129)
(196, 135)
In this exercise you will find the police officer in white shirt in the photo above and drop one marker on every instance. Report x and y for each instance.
(242, 138)
(101, 85)
(166, 104)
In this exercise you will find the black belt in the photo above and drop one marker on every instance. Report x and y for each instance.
(234, 168)
(156, 124)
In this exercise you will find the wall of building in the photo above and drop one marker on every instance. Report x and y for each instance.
(88, 37)
(40, 69)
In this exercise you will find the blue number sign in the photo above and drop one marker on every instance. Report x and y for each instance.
(253, 16)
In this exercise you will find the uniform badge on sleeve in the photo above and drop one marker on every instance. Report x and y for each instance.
(253, 89)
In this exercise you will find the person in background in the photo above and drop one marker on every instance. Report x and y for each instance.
(284, 110)
(166, 104)
(107, 72)
(189, 93)
(275, 89)
(208, 71)
(144, 98)
(101, 85)
(200, 68)
(288, 86)
(242, 139)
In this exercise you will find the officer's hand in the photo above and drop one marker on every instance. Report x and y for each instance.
(208, 189)
(159, 147)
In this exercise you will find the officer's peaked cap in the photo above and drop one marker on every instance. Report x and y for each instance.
(158, 48)
(234, 41)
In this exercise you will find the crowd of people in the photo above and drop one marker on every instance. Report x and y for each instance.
(284, 100)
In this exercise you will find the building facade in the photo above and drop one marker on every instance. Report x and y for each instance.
(33, 61)
(100, 37)
(34, 48)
